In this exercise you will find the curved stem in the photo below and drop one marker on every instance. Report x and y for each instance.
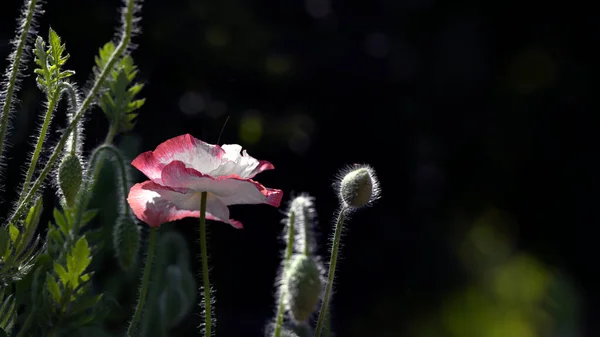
(204, 257)
(52, 100)
(72, 93)
(331, 274)
(14, 69)
(90, 182)
(288, 254)
(118, 52)
(145, 281)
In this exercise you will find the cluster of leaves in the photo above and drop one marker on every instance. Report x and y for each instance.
(50, 283)
(50, 59)
(18, 245)
(119, 102)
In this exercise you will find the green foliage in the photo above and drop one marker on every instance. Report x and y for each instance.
(7, 312)
(49, 59)
(119, 101)
(173, 288)
(60, 232)
(19, 246)
(71, 299)
(51, 285)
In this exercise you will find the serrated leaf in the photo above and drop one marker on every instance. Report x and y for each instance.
(31, 222)
(14, 232)
(118, 102)
(54, 234)
(104, 54)
(62, 274)
(65, 74)
(33, 217)
(53, 288)
(54, 40)
(61, 221)
(78, 260)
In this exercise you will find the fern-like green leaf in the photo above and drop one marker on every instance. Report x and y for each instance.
(119, 101)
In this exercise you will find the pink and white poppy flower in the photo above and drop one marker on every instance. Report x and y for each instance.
(181, 168)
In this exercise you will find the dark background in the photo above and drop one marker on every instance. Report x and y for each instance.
(475, 115)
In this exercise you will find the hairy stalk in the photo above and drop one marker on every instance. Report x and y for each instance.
(145, 282)
(204, 257)
(89, 183)
(288, 254)
(26, 24)
(117, 54)
(331, 274)
(96, 169)
(74, 98)
(52, 101)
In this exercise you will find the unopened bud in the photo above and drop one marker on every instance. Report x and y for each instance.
(304, 217)
(302, 287)
(70, 177)
(126, 241)
(359, 187)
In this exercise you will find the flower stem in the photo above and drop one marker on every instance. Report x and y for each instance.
(145, 281)
(95, 167)
(17, 56)
(204, 257)
(74, 105)
(288, 255)
(52, 100)
(323, 313)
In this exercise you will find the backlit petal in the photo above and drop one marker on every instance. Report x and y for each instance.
(155, 204)
(193, 152)
(237, 162)
(231, 190)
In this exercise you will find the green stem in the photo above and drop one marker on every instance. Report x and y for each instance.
(331, 275)
(108, 67)
(27, 324)
(145, 282)
(288, 254)
(90, 182)
(72, 93)
(14, 70)
(327, 329)
(52, 100)
(204, 257)
(96, 165)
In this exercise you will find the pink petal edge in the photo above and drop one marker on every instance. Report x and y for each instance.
(150, 162)
(177, 172)
(153, 217)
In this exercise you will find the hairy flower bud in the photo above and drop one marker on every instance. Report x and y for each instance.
(70, 177)
(302, 287)
(126, 241)
(304, 218)
(358, 187)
